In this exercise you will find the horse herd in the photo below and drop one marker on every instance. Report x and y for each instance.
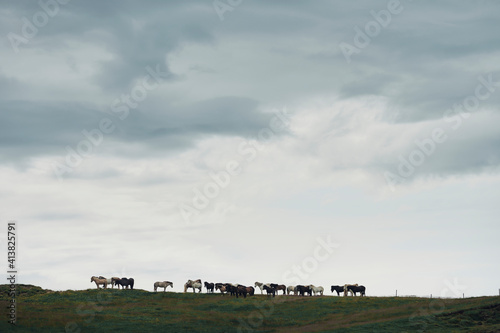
(272, 289)
(114, 281)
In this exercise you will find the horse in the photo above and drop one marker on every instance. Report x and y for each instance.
(304, 290)
(356, 289)
(114, 283)
(163, 285)
(346, 288)
(221, 287)
(250, 291)
(338, 289)
(291, 289)
(270, 290)
(99, 281)
(279, 287)
(241, 290)
(109, 281)
(125, 283)
(231, 288)
(209, 287)
(316, 290)
(196, 284)
(261, 285)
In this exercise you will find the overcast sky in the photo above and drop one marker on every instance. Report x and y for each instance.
(239, 141)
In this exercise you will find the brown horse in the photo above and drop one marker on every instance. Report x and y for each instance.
(99, 281)
(281, 287)
(251, 291)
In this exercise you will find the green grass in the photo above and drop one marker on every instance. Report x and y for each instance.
(113, 310)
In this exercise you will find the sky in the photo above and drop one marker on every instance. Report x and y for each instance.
(236, 141)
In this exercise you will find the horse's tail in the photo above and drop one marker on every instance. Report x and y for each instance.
(131, 283)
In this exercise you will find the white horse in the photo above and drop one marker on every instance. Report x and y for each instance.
(99, 281)
(163, 285)
(316, 290)
(196, 284)
(291, 289)
(261, 285)
(111, 281)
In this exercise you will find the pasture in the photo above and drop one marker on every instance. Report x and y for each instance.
(94, 310)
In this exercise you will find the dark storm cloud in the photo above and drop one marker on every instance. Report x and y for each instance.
(425, 59)
(135, 34)
(39, 128)
(165, 127)
(431, 54)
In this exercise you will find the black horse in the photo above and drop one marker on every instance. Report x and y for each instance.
(125, 283)
(231, 289)
(357, 289)
(209, 286)
(270, 290)
(304, 290)
(338, 289)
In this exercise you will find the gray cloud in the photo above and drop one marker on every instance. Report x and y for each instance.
(349, 123)
(427, 59)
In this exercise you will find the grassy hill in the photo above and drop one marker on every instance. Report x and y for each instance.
(93, 310)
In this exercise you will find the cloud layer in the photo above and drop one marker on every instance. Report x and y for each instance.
(177, 140)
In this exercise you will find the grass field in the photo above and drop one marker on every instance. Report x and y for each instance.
(113, 310)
